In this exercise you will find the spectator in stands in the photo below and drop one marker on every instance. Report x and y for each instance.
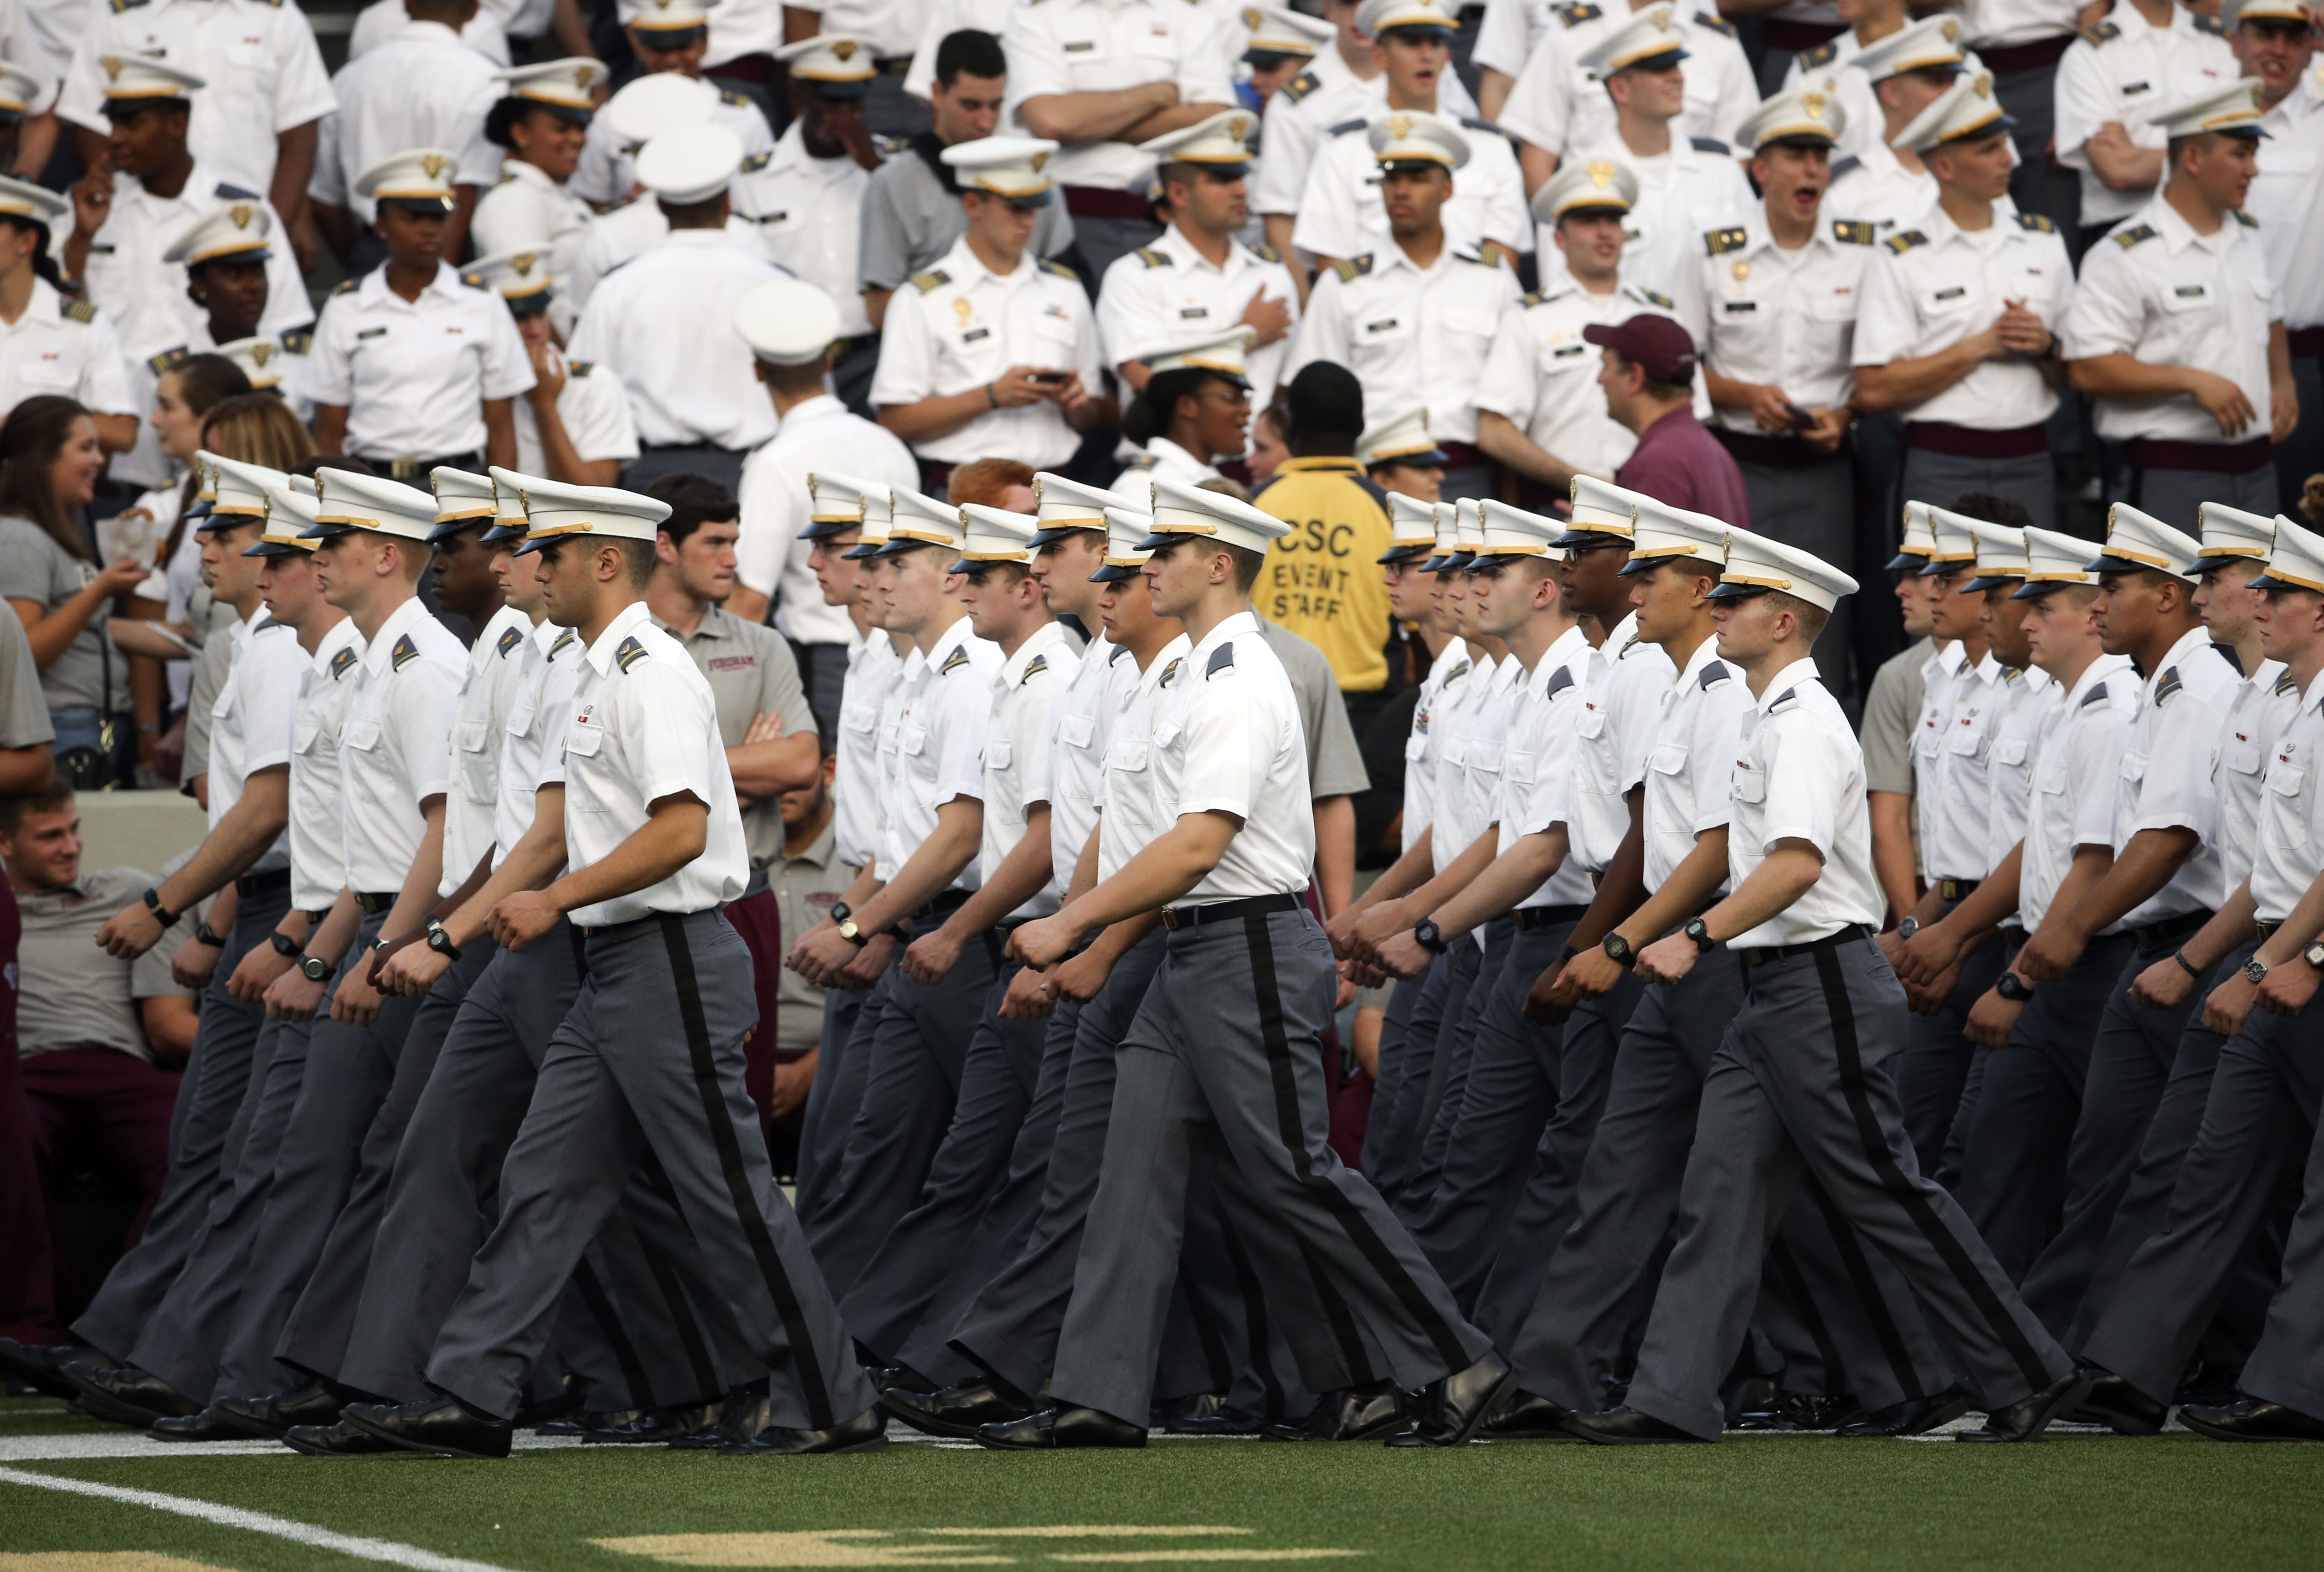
(1649, 375)
(808, 876)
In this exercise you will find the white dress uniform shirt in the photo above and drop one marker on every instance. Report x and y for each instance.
(1029, 691)
(1681, 194)
(263, 72)
(959, 326)
(1959, 783)
(395, 748)
(942, 720)
(1169, 293)
(2027, 698)
(594, 408)
(1762, 314)
(625, 232)
(1159, 456)
(1492, 727)
(2261, 711)
(1342, 215)
(423, 87)
(2290, 835)
(526, 209)
(2163, 295)
(480, 720)
(413, 374)
(819, 434)
(1301, 116)
(1690, 766)
(1085, 46)
(251, 724)
(2077, 763)
(645, 728)
(743, 27)
(891, 27)
(1558, 106)
(1935, 284)
(2167, 779)
(1799, 775)
(608, 169)
(317, 830)
(486, 31)
(1412, 334)
(1874, 186)
(532, 753)
(809, 213)
(1619, 705)
(873, 670)
(1993, 23)
(1541, 375)
(1463, 700)
(43, 35)
(1938, 675)
(1537, 766)
(2287, 197)
(666, 324)
(940, 19)
(1510, 29)
(1077, 747)
(1127, 819)
(66, 347)
(2121, 71)
(1423, 744)
(1227, 740)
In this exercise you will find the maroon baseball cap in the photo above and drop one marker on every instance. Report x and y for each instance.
(1656, 345)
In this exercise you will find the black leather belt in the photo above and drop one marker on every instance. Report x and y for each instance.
(1177, 917)
(1957, 889)
(2170, 930)
(375, 903)
(416, 470)
(1530, 918)
(2013, 935)
(1847, 935)
(946, 903)
(262, 884)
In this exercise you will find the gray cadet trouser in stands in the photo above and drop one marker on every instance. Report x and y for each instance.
(1448, 1071)
(2029, 480)
(2176, 495)
(1392, 1140)
(2258, 1124)
(203, 1141)
(1811, 506)
(1799, 1089)
(833, 1099)
(1229, 1040)
(648, 1070)
(1403, 999)
(2288, 1366)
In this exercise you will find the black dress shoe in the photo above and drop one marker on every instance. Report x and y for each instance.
(1453, 1407)
(205, 1426)
(339, 1440)
(1916, 1416)
(441, 1425)
(586, 1420)
(2028, 1417)
(271, 1417)
(1349, 1413)
(744, 1414)
(658, 1426)
(956, 1413)
(1627, 1427)
(41, 1365)
(1795, 1411)
(1196, 1412)
(1523, 1417)
(898, 1378)
(2251, 1420)
(866, 1433)
(126, 1396)
(1751, 1394)
(2117, 1404)
(1061, 1428)
(569, 1400)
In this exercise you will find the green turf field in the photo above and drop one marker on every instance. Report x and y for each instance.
(2175, 1502)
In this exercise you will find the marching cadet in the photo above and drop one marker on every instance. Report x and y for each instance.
(1561, 103)
(791, 327)
(1540, 383)
(2182, 343)
(630, 227)
(540, 125)
(467, 505)
(992, 352)
(1955, 330)
(574, 424)
(55, 345)
(2143, 54)
(1198, 278)
(384, 391)
(1798, 1089)
(665, 322)
(670, 40)
(649, 1062)
(1402, 459)
(1418, 318)
(1883, 182)
(1193, 410)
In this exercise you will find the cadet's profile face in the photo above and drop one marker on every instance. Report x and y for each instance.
(235, 292)
(19, 243)
(287, 583)
(968, 109)
(835, 575)
(345, 565)
(2227, 602)
(1667, 595)
(146, 139)
(175, 423)
(674, 51)
(1594, 584)
(1064, 566)
(1591, 242)
(2221, 168)
(1176, 575)
(568, 579)
(2276, 52)
(2291, 622)
(1913, 600)
(2055, 625)
(1423, 482)
(1978, 170)
(1215, 204)
(2005, 628)
(2127, 608)
(1747, 627)
(1954, 612)
(915, 586)
(1651, 92)
(532, 327)
(1267, 83)
(1909, 92)
(228, 573)
(996, 599)
(465, 581)
(414, 235)
(1411, 593)
(520, 583)
(1793, 179)
(549, 142)
(1414, 196)
(1005, 226)
(1452, 597)
(1220, 415)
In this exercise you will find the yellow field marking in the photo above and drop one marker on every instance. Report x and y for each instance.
(813, 1548)
(100, 1561)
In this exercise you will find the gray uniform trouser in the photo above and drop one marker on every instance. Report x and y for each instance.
(2029, 480)
(832, 1101)
(2258, 1124)
(912, 1263)
(1811, 506)
(203, 1139)
(1392, 1141)
(914, 1048)
(1800, 1088)
(1099, 242)
(648, 1070)
(2039, 184)
(2175, 495)
(1448, 1072)
(2013, 1152)
(1387, 1081)
(2288, 1366)
(1229, 1039)
(1934, 1069)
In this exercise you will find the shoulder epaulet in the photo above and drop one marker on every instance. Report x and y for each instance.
(1713, 675)
(2167, 686)
(121, 6)
(1628, 645)
(2230, 654)
(1460, 671)
(953, 662)
(1846, 166)
(298, 340)
(158, 363)
(2284, 685)
(2104, 32)
(345, 286)
(2095, 695)
(342, 663)
(1851, 232)
(2210, 24)
(1719, 242)
(1345, 126)
(1559, 681)
(504, 180)
(1716, 23)
(1141, 461)
(1473, 123)
(1033, 668)
(2134, 234)
(1171, 670)
(474, 281)
(79, 311)
(1153, 258)
(891, 146)
(1824, 54)
(2245, 219)
(265, 624)
(509, 639)
(2039, 222)
(579, 368)
(1657, 297)
(1532, 300)
(1059, 269)
(1788, 696)
(628, 652)
(757, 161)
(1352, 268)
(564, 639)
(1300, 86)
(1119, 651)
(739, 100)
(1574, 13)
(1901, 243)
(1712, 144)
(1222, 659)
(404, 653)
(1488, 253)
(1263, 251)
(935, 278)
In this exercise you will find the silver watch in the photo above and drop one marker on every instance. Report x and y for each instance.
(1907, 925)
(2255, 971)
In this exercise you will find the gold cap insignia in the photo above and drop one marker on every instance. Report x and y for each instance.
(432, 164)
(1662, 20)
(112, 64)
(1399, 126)
(1950, 28)
(260, 353)
(241, 214)
(1983, 85)
(1250, 17)
(523, 262)
(1239, 128)
(1601, 173)
(1040, 162)
(845, 49)
(1813, 104)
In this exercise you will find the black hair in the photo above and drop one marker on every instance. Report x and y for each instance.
(706, 214)
(43, 264)
(1326, 402)
(972, 53)
(1988, 509)
(504, 117)
(1150, 412)
(694, 502)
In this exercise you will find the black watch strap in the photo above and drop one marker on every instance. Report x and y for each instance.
(162, 913)
(314, 967)
(1698, 930)
(2013, 987)
(440, 941)
(284, 945)
(1424, 933)
(1618, 949)
(206, 934)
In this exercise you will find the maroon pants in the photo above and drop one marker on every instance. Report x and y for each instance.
(109, 1108)
(759, 918)
(28, 1310)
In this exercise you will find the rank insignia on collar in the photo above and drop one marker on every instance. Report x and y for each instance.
(563, 639)
(953, 662)
(1033, 668)
(1171, 670)
(342, 663)
(509, 638)
(404, 653)
(628, 652)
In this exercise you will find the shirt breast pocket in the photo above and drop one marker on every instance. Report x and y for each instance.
(2286, 827)
(1947, 304)
(2182, 300)
(1075, 730)
(998, 752)
(476, 760)
(2010, 750)
(304, 735)
(1968, 741)
(2134, 766)
(1129, 758)
(520, 718)
(1471, 321)
(1415, 747)
(859, 718)
(362, 734)
(1667, 758)
(1750, 783)
(1592, 723)
(1485, 758)
(2243, 757)
(2050, 780)
(1517, 765)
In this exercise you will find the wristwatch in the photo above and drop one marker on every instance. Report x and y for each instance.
(1617, 951)
(2013, 987)
(1426, 933)
(284, 945)
(1907, 925)
(852, 933)
(841, 911)
(2255, 971)
(314, 967)
(206, 934)
(440, 941)
(1700, 931)
(162, 913)
(2314, 955)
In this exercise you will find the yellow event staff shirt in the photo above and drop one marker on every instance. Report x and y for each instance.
(1322, 581)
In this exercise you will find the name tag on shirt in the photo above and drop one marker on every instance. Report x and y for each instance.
(1955, 293)
(372, 333)
(1189, 313)
(1081, 47)
(1741, 306)
(973, 334)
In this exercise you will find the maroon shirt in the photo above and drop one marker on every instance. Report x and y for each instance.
(1679, 463)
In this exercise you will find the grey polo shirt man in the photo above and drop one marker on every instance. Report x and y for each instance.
(1335, 764)
(751, 672)
(912, 216)
(806, 886)
(73, 995)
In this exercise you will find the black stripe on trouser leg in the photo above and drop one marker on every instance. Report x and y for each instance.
(804, 1356)
(1804, 1305)
(2006, 1331)
(616, 1336)
(1254, 1320)
(682, 1319)
(1339, 1316)
(1867, 1291)
(1351, 1221)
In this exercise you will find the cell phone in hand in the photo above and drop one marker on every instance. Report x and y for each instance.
(1049, 377)
(1798, 416)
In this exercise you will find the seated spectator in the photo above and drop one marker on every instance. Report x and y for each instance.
(807, 879)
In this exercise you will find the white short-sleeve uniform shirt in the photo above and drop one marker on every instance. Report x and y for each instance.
(1303, 112)
(1424, 743)
(1169, 294)
(1785, 318)
(2027, 698)
(319, 837)
(1077, 744)
(945, 714)
(873, 671)
(1413, 335)
(480, 716)
(1456, 714)
(1027, 690)
(1090, 46)
(1342, 215)
(1619, 704)
(809, 213)
(526, 209)
(253, 721)
(1691, 765)
(1557, 106)
(1537, 764)
(594, 408)
(2167, 781)
(1799, 775)
(1127, 816)
(423, 87)
(413, 375)
(2291, 834)
(1955, 790)
(66, 347)
(532, 753)
(1541, 375)
(665, 324)
(395, 746)
(2122, 71)
(1874, 186)
(1227, 739)
(818, 434)
(2076, 762)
